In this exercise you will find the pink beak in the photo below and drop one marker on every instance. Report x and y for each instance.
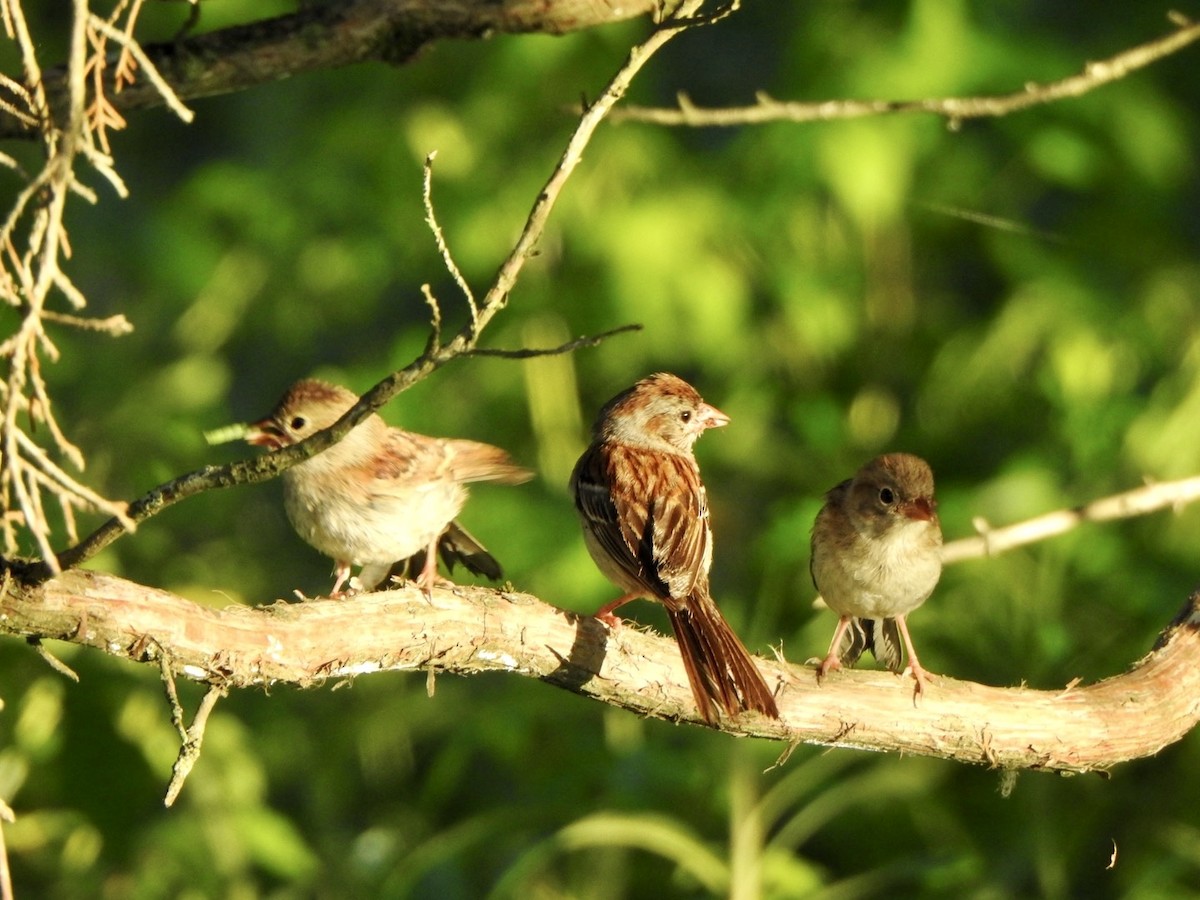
(711, 417)
(264, 433)
(920, 508)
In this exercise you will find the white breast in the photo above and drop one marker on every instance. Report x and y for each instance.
(882, 577)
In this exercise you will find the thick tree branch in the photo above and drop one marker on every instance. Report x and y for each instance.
(469, 630)
(330, 35)
(954, 109)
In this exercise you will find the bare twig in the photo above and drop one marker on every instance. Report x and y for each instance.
(124, 37)
(192, 736)
(51, 660)
(436, 353)
(32, 276)
(1137, 502)
(578, 343)
(440, 240)
(955, 109)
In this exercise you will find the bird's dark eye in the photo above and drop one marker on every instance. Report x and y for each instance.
(686, 415)
(886, 496)
(298, 423)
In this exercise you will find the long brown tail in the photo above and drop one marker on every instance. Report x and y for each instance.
(718, 666)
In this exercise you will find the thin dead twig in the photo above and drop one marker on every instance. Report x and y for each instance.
(191, 736)
(956, 109)
(579, 343)
(436, 354)
(1137, 502)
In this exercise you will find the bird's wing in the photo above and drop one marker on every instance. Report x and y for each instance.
(657, 530)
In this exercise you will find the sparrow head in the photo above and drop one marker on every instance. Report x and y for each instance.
(659, 412)
(308, 407)
(890, 490)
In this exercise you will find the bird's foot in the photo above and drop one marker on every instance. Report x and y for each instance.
(830, 663)
(611, 619)
(920, 676)
(607, 613)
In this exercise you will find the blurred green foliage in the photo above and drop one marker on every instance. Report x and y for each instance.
(1015, 300)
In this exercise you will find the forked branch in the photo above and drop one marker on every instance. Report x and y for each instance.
(436, 355)
(954, 109)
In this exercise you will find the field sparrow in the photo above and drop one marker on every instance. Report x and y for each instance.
(380, 495)
(876, 556)
(645, 521)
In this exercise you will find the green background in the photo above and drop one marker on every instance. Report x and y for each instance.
(1013, 299)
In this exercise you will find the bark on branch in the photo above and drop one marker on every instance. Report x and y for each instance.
(472, 629)
(330, 35)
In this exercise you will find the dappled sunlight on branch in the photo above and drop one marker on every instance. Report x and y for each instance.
(471, 630)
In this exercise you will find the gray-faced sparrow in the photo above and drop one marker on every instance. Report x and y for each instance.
(876, 556)
(381, 494)
(645, 521)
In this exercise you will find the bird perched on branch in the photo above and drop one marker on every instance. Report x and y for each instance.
(381, 494)
(876, 556)
(645, 521)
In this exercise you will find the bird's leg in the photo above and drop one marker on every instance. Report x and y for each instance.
(605, 613)
(429, 576)
(914, 665)
(341, 573)
(831, 662)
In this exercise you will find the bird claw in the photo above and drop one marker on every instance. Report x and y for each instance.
(829, 664)
(921, 677)
(612, 620)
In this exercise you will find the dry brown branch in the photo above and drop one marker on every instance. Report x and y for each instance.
(579, 343)
(34, 248)
(191, 736)
(324, 36)
(471, 630)
(1137, 502)
(955, 109)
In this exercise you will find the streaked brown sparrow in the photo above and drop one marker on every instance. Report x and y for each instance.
(645, 521)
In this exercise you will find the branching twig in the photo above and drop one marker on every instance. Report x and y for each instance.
(578, 343)
(440, 240)
(34, 246)
(1137, 502)
(955, 109)
(191, 736)
(436, 354)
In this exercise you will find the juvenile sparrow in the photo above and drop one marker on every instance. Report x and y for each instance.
(380, 495)
(876, 556)
(645, 521)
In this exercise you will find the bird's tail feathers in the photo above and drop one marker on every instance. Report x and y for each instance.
(719, 667)
(455, 546)
(475, 461)
(880, 636)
